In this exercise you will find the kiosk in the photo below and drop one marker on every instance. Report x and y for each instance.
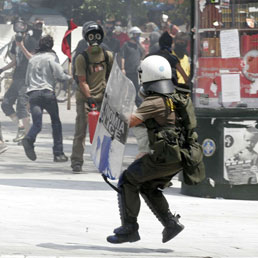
(225, 94)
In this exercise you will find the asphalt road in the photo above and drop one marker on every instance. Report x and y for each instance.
(46, 210)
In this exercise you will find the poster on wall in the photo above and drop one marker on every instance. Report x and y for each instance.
(241, 154)
(229, 43)
(230, 88)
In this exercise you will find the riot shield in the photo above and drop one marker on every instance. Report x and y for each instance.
(111, 133)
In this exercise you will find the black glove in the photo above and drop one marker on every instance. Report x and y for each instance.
(1, 70)
(91, 101)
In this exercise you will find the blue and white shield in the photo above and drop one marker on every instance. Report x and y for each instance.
(111, 133)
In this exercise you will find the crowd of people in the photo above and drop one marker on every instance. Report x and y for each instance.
(130, 46)
(152, 67)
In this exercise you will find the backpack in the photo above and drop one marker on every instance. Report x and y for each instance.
(191, 151)
(184, 109)
(87, 61)
(106, 60)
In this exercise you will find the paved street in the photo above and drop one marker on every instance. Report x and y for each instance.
(45, 210)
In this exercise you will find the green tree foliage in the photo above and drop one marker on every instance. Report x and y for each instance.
(181, 13)
(85, 10)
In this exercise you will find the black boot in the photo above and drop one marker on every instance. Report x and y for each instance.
(29, 148)
(156, 202)
(126, 233)
(172, 228)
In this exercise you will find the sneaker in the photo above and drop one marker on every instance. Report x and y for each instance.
(128, 233)
(77, 168)
(3, 147)
(60, 158)
(20, 134)
(173, 228)
(29, 149)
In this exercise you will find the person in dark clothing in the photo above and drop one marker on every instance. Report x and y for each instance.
(151, 174)
(132, 53)
(109, 40)
(22, 52)
(165, 44)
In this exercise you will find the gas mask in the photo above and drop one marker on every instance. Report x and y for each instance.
(94, 38)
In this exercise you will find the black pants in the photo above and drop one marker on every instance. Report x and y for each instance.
(142, 178)
(16, 92)
(40, 100)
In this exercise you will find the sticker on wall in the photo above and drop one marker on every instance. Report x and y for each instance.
(209, 147)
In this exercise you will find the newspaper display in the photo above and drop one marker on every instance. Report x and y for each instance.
(241, 155)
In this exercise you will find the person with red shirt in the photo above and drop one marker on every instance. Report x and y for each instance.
(120, 35)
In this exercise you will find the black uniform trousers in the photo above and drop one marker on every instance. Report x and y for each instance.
(144, 176)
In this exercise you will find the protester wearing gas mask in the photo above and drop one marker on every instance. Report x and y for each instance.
(23, 47)
(92, 68)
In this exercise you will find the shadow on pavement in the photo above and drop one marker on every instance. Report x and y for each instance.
(105, 248)
(70, 185)
(56, 184)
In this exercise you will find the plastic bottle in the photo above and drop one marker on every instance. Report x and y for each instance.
(93, 117)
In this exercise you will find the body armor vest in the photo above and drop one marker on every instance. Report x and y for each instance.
(178, 143)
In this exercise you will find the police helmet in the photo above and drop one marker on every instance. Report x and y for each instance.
(92, 33)
(134, 30)
(155, 75)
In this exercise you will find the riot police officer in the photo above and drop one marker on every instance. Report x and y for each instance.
(149, 175)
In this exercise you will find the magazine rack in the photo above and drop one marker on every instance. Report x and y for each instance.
(225, 94)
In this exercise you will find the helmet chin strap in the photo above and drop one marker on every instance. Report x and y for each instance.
(142, 93)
